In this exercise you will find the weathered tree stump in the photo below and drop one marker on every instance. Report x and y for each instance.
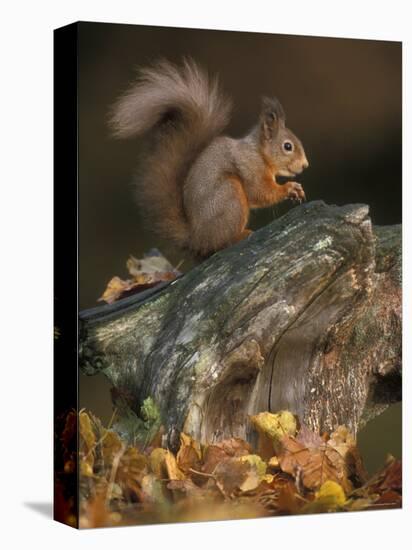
(304, 315)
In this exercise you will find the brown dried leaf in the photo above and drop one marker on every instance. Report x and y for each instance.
(288, 501)
(308, 474)
(224, 449)
(231, 475)
(344, 442)
(118, 288)
(390, 478)
(240, 474)
(265, 447)
(114, 289)
(382, 491)
(314, 465)
(392, 475)
(189, 455)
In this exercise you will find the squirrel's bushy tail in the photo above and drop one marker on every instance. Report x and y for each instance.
(184, 111)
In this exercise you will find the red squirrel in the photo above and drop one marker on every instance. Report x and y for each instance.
(196, 185)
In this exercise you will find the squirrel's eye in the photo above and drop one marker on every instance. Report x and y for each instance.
(288, 146)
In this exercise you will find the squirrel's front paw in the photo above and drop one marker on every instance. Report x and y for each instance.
(295, 191)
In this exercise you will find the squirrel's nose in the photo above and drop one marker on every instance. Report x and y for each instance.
(305, 165)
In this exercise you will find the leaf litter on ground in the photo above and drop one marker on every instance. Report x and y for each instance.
(124, 482)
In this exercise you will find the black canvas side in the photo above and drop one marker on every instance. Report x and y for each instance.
(65, 275)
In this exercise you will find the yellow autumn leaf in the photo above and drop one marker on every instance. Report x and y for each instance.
(256, 462)
(275, 426)
(173, 470)
(329, 498)
(331, 493)
(86, 469)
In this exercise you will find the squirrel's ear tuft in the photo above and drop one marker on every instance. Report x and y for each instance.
(273, 116)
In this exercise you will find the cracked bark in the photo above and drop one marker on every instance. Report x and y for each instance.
(304, 315)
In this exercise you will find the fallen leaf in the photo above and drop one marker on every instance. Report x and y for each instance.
(308, 438)
(173, 470)
(114, 289)
(122, 485)
(240, 474)
(329, 498)
(344, 442)
(271, 428)
(314, 465)
(392, 475)
(287, 501)
(388, 479)
(256, 462)
(189, 455)
(222, 450)
(232, 476)
(147, 272)
(275, 426)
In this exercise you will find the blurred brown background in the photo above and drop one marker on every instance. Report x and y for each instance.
(342, 97)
